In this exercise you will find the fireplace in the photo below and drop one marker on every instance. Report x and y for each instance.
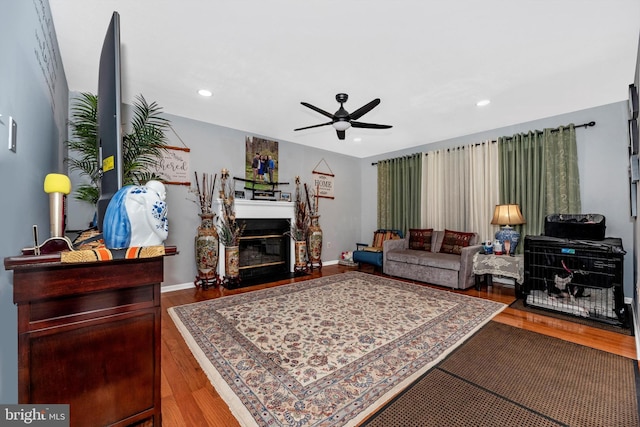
(265, 252)
(264, 249)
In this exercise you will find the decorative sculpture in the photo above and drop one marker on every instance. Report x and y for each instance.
(136, 216)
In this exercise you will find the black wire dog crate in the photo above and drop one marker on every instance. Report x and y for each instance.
(577, 277)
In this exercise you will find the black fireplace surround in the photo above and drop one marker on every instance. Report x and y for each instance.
(265, 250)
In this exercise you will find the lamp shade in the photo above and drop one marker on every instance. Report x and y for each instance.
(57, 183)
(507, 215)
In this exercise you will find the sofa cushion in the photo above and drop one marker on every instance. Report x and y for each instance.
(436, 240)
(420, 239)
(454, 241)
(427, 259)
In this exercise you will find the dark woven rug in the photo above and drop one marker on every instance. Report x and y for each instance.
(506, 376)
(621, 329)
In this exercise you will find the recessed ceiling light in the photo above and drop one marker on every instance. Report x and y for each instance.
(358, 139)
(483, 103)
(205, 92)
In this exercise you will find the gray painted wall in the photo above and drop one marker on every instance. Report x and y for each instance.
(216, 147)
(602, 160)
(33, 90)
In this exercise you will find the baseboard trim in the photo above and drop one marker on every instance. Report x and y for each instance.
(177, 287)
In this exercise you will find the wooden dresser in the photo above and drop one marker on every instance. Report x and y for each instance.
(89, 336)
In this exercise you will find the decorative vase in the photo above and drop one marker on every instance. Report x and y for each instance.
(301, 255)
(231, 263)
(315, 242)
(508, 236)
(207, 246)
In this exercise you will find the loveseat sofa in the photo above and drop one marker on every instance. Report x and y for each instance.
(438, 257)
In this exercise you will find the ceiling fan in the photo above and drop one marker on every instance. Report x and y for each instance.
(341, 120)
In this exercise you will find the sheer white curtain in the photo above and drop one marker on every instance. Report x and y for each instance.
(456, 194)
(485, 184)
(460, 189)
(446, 189)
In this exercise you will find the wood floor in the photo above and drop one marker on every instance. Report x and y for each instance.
(188, 398)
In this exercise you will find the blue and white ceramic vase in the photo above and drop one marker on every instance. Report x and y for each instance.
(510, 235)
(136, 217)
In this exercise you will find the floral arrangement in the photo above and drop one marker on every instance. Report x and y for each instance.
(312, 200)
(229, 229)
(204, 192)
(300, 228)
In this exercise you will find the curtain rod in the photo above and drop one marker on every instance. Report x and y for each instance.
(583, 125)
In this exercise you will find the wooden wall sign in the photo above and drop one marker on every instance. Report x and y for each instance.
(323, 181)
(173, 166)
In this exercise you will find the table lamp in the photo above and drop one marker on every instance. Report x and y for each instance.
(57, 186)
(506, 216)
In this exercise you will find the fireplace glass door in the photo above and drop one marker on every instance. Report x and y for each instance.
(264, 249)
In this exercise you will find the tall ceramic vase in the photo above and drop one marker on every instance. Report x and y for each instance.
(207, 245)
(231, 266)
(315, 242)
(300, 256)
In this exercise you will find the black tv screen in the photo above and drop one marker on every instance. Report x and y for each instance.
(109, 122)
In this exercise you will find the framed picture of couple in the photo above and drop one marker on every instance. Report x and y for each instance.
(261, 163)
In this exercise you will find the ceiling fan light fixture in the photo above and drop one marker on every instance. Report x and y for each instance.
(341, 125)
(341, 120)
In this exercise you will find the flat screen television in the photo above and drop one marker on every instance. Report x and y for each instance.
(109, 118)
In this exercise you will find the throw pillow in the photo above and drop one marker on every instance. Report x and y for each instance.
(380, 236)
(454, 241)
(378, 239)
(420, 239)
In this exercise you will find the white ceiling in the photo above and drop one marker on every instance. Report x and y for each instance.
(429, 61)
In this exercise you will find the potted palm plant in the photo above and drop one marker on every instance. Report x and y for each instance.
(142, 144)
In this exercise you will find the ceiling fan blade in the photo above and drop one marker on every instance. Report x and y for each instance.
(364, 109)
(340, 134)
(369, 125)
(319, 110)
(314, 126)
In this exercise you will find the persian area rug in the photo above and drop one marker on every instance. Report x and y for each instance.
(506, 376)
(327, 351)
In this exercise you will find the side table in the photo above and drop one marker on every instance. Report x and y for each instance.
(498, 265)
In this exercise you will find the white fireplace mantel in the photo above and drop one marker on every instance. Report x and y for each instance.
(258, 209)
(252, 209)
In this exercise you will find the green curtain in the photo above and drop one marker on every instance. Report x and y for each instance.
(563, 180)
(522, 176)
(539, 172)
(399, 188)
